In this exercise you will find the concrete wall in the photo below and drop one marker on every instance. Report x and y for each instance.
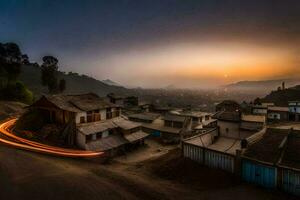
(229, 129)
(80, 140)
(259, 111)
(103, 114)
(78, 115)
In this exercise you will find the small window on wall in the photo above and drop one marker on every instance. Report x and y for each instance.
(227, 130)
(82, 119)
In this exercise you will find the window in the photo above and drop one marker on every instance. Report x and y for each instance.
(105, 134)
(89, 116)
(177, 124)
(168, 123)
(82, 119)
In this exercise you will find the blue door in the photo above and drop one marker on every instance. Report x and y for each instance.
(156, 133)
(259, 174)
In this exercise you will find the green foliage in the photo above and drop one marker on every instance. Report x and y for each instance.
(30, 121)
(49, 75)
(10, 61)
(17, 92)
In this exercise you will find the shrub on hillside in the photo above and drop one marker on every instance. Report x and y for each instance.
(32, 120)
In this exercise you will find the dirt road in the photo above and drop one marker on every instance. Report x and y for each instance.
(27, 175)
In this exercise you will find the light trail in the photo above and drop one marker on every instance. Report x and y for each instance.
(38, 147)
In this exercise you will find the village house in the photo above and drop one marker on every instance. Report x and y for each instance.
(170, 127)
(259, 109)
(228, 123)
(115, 99)
(228, 106)
(96, 124)
(75, 108)
(277, 114)
(294, 109)
(252, 123)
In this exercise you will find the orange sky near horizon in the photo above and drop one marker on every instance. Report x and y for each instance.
(216, 63)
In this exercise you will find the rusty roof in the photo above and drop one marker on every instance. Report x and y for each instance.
(267, 149)
(77, 103)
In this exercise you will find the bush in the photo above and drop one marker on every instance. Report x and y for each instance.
(32, 120)
(17, 92)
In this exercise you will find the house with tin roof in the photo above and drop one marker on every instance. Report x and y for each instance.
(90, 122)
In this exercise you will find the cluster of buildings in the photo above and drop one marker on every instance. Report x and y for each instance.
(260, 147)
(241, 139)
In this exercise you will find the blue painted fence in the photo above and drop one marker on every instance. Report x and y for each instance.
(259, 174)
(291, 181)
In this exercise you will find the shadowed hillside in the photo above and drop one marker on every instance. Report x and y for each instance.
(31, 76)
(261, 87)
(282, 97)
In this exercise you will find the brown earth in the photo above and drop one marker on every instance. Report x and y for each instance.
(27, 175)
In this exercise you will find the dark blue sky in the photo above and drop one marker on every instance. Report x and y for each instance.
(91, 36)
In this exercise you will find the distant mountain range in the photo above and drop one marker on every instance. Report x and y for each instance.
(75, 83)
(263, 86)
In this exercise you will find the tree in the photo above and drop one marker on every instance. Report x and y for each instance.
(62, 85)
(49, 75)
(25, 59)
(257, 101)
(10, 61)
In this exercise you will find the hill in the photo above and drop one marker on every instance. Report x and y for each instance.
(282, 97)
(262, 86)
(110, 82)
(31, 76)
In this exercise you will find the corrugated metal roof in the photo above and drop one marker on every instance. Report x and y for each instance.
(77, 103)
(267, 148)
(173, 117)
(278, 109)
(104, 144)
(254, 118)
(136, 136)
(291, 156)
(125, 124)
(95, 127)
(228, 116)
(145, 116)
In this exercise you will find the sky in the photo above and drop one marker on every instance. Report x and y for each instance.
(156, 43)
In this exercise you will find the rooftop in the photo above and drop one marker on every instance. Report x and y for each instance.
(76, 103)
(227, 116)
(145, 116)
(125, 124)
(278, 109)
(267, 149)
(222, 144)
(174, 117)
(96, 127)
(189, 113)
(253, 118)
(291, 156)
(106, 143)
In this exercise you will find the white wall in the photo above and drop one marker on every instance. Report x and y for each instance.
(294, 109)
(259, 111)
(233, 129)
(80, 140)
(274, 116)
(103, 114)
(78, 115)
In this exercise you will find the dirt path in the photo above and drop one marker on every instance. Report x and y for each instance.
(26, 175)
